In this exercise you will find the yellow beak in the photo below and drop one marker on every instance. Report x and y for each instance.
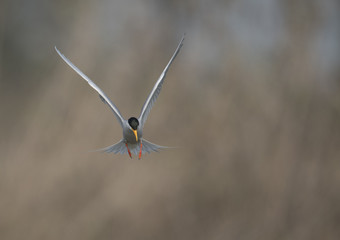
(135, 132)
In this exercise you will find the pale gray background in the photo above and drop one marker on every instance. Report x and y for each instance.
(252, 101)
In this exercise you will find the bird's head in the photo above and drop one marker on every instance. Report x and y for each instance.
(134, 123)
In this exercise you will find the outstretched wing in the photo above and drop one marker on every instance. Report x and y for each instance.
(156, 89)
(102, 95)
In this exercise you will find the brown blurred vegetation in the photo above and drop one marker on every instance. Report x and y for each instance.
(252, 101)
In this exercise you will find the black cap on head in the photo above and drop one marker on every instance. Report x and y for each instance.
(133, 122)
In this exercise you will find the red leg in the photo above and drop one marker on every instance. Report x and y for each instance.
(140, 150)
(128, 150)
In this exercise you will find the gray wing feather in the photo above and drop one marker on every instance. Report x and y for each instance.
(116, 148)
(102, 95)
(157, 88)
(120, 148)
(149, 147)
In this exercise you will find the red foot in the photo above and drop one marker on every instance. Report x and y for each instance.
(140, 150)
(128, 150)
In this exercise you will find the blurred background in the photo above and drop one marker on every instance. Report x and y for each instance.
(252, 102)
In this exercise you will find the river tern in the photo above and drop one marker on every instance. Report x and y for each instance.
(132, 141)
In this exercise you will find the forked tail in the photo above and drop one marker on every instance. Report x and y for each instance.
(120, 148)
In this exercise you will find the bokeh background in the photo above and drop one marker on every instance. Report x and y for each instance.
(252, 102)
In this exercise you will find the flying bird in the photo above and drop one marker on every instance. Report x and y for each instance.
(132, 141)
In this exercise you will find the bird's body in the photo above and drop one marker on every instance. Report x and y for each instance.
(130, 137)
(132, 141)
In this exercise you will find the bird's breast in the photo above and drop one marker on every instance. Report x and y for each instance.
(130, 137)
